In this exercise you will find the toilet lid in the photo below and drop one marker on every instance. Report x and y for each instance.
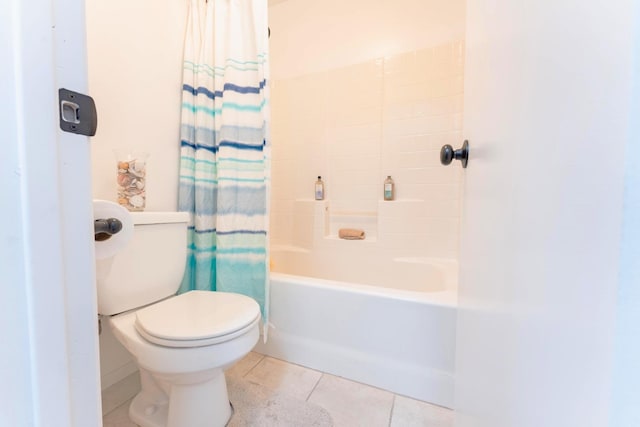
(197, 318)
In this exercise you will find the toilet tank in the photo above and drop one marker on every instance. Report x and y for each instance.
(149, 268)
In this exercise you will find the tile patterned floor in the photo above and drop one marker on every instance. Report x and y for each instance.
(350, 404)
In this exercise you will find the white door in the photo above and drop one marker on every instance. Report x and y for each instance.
(48, 316)
(547, 114)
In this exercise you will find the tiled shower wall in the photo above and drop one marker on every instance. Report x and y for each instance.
(357, 124)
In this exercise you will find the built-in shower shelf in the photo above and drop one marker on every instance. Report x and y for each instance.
(367, 239)
(360, 220)
(355, 213)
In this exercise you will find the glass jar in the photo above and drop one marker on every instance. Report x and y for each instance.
(131, 179)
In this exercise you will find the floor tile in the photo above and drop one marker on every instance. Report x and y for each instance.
(259, 406)
(414, 413)
(118, 417)
(244, 365)
(120, 392)
(284, 377)
(272, 393)
(353, 404)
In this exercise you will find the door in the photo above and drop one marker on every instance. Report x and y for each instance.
(48, 316)
(547, 114)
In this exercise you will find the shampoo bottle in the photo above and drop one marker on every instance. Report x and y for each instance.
(319, 189)
(389, 190)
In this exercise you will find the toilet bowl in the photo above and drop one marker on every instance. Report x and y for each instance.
(182, 375)
(182, 344)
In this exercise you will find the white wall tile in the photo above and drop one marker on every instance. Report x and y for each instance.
(357, 123)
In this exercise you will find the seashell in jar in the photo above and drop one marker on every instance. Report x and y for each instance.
(124, 180)
(137, 167)
(140, 184)
(131, 192)
(139, 174)
(123, 165)
(136, 201)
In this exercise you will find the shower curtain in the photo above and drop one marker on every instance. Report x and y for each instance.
(225, 161)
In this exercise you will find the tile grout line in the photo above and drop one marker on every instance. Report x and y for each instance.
(314, 386)
(252, 368)
(393, 406)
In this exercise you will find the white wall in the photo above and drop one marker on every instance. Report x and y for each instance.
(362, 90)
(135, 71)
(309, 36)
(625, 410)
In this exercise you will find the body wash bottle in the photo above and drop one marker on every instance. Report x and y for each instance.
(389, 190)
(319, 189)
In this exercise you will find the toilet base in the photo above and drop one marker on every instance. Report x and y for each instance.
(175, 401)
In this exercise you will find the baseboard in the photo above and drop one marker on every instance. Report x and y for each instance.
(118, 374)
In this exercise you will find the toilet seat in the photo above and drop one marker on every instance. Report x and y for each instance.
(197, 318)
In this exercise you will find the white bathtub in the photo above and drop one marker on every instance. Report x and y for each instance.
(402, 340)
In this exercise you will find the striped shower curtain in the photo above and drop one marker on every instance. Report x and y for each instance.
(224, 163)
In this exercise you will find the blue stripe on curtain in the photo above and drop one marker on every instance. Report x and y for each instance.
(226, 132)
(227, 87)
(229, 232)
(215, 149)
(225, 106)
(225, 148)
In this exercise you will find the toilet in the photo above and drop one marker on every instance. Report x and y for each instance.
(182, 344)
